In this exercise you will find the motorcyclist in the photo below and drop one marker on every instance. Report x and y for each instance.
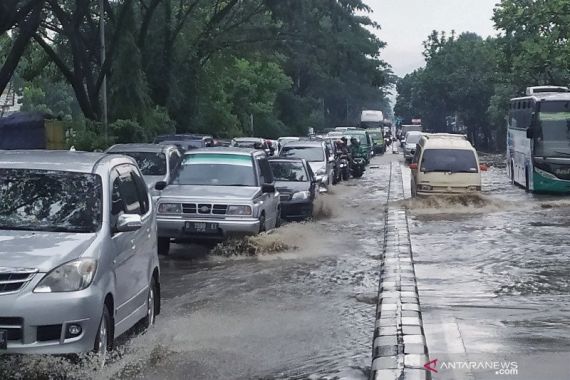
(355, 149)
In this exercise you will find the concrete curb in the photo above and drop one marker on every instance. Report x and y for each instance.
(399, 351)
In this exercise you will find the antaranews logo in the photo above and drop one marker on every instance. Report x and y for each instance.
(500, 368)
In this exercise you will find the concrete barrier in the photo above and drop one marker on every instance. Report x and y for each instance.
(399, 349)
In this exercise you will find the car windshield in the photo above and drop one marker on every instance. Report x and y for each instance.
(449, 161)
(553, 139)
(150, 163)
(413, 138)
(289, 171)
(309, 153)
(216, 170)
(41, 200)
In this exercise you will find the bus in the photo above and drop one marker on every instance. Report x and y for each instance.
(538, 140)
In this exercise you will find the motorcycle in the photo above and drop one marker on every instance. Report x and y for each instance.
(344, 169)
(357, 167)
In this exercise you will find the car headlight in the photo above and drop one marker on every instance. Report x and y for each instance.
(239, 210)
(70, 277)
(301, 195)
(170, 208)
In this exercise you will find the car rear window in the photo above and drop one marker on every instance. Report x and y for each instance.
(216, 170)
(449, 161)
(289, 171)
(150, 163)
(309, 153)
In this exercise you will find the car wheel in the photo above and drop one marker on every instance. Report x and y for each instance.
(163, 246)
(262, 227)
(153, 300)
(104, 338)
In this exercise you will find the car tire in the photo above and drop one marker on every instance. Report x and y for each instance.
(262, 226)
(153, 300)
(163, 246)
(104, 338)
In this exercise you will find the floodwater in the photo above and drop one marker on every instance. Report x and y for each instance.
(299, 303)
(303, 310)
(494, 279)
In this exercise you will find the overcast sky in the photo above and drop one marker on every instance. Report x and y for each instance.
(406, 23)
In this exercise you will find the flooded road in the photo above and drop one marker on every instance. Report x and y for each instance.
(492, 277)
(494, 281)
(305, 312)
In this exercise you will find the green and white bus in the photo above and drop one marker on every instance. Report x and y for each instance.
(538, 140)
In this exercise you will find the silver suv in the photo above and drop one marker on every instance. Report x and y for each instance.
(78, 251)
(218, 192)
(157, 162)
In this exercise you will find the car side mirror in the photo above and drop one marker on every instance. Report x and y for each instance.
(128, 223)
(160, 185)
(529, 133)
(414, 166)
(268, 188)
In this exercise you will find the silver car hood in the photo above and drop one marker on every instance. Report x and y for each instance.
(210, 193)
(41, 250)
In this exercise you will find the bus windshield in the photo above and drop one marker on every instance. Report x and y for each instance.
(553, 139)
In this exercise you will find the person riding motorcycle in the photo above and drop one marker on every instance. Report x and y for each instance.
(355, 148)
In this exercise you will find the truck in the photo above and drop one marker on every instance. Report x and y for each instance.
(371, 119)
(31, 130)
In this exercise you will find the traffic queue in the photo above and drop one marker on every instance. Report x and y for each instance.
(80, 233)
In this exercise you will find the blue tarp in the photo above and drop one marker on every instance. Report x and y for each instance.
(23, 130)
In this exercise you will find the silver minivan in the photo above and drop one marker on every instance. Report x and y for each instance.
(78, 252)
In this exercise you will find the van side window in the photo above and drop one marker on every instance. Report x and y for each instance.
(265, 170)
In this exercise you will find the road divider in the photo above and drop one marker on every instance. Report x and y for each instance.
(399, 350)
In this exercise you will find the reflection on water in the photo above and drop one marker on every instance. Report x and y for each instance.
(507, 250)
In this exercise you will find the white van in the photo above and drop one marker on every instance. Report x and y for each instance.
(445, 164)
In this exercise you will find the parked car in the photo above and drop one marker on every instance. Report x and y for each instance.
(297, 187)
(445, 163)
(157, 162)
(411, 140)
(317, 155)
(217, 193)
(282, 141)
(253, 143)
(78, 252)
(186, 142)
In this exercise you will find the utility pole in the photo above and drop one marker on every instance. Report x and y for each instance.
(251, 124)
(103, 58)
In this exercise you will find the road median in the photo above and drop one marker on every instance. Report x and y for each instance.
(399, 349)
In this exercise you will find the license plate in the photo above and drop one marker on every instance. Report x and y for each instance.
(201, 227)
(3, 339)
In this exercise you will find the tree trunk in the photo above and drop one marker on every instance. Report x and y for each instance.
(27, 29)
